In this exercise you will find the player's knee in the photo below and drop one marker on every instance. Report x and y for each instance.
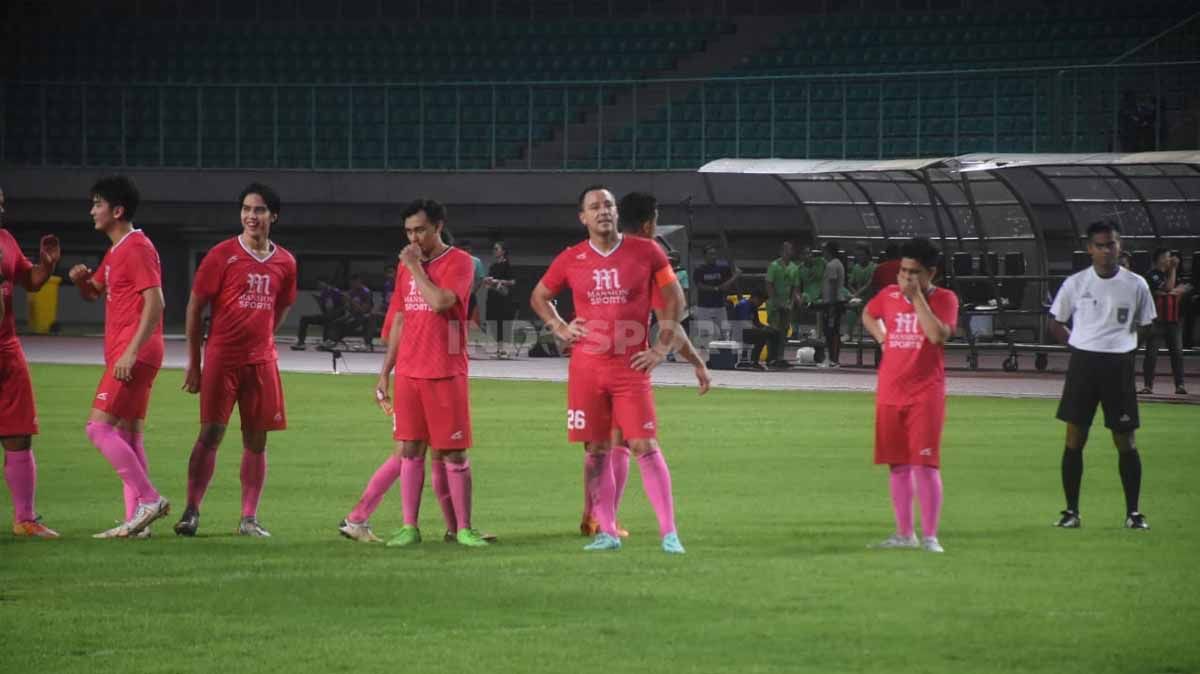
(643, 446)
(411, 449)
(255, 441)
(456, 457)
(600, 447)
(1124, 442)
(211, 435)
(17, 443)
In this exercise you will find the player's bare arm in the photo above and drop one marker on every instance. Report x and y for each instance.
(935, 330)
(874, 326)
(541, 301)
(689, 353)
(383, 396)
(152, 311)
(48, 256)
(668, 329)
(81, 276)
(441, 299)
(194, 329)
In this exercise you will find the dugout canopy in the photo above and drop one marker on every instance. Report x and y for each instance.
(1011, 225)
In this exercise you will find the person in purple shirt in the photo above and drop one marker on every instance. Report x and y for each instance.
(332, 303)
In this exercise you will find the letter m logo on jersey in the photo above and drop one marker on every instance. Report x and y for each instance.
(258, 284)
(906, 323)
(606, 279)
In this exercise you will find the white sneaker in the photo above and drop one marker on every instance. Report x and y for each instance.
(358, 531)
(118, 531)
(147, 513)
(897, 541)
(930, 544)
(121, 531)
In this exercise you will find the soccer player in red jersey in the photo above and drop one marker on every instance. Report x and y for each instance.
(250, 281)
(130, 279)
(18, 413)
(912, 320)
(612, 280)
(638, 217)
(432, 409)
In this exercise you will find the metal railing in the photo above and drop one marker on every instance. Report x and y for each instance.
(617, 125)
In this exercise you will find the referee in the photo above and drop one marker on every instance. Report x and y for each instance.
(1106, 304)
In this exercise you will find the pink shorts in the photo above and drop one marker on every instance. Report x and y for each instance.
(603, 395)
(255, 388)
(436, 411)
(910, 433)
(126, 399)
(18, 413)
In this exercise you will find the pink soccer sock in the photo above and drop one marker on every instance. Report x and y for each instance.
(929, 493)
(412, 482)
(458, 475)
(587, 488)
(656, 479)
(201, 465)
(620, 469)
(139, 451)
(377, 487)
(20, 472)
(902, 498)
(254, 476)
(441, 489)
(598, 478)
(124, 461)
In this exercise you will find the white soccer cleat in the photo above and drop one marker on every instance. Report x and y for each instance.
(930, 544)
(358, 531)
(896, 541)
(122, 531)
(147, 513)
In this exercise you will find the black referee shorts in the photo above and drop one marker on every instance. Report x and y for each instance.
(1104, 379)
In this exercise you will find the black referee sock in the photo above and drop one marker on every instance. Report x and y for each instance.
(1072, 476)
(1130, 465)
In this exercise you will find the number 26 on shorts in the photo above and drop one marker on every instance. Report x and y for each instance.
(576, 421)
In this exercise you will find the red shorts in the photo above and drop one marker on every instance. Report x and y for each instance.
(18, 413)
(602, 396)
(436, 411)
(126, 399)
(255, 388)
(910, 433)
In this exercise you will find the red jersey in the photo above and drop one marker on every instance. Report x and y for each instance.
(15, 268)
(246, 294)
(128, 268)
(434, 345)
(912, 367)
(612, 293)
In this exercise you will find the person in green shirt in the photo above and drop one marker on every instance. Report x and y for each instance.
(812, 274)
(858, 281)
(783, 296)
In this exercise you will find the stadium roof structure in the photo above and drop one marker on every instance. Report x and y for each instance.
(1031, 208)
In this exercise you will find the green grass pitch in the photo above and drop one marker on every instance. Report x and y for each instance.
(777, 501)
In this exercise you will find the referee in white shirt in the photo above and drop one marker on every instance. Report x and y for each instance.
(1105, 304)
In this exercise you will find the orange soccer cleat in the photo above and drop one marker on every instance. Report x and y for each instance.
(589, 527)
(33, 529)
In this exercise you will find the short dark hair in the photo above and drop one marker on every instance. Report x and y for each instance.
(1159, 252)
(592, 188)
(503, 246)
(711, 246)
(1103, 227)
(636, 209)
(433, 210)
(118, 191)
(922, 250)
(831, 247)
(268, 195)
